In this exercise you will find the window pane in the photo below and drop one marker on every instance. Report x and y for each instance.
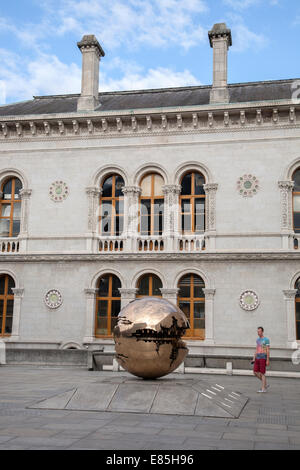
(102, 308)
(199, 324)
(16, 228)
(156, 285)
(297, 286)
(158, 185)
(199, 182)
(186, 223)
(199, 310)
(116, 285)
(199, 215)
(107, 187)
(186, 206)
(119, 185)
(119, 226)
(4, 227)
(146, 186)
(6, 208)
(298, 311)
(17, 211)
(185, 287)
(101, 328)
(297, 222)
(115, 308)
(18, 187)
(198, 288)
(7, 190)
(296, 178)
(186, 184)
(9, 307)
(1, 307)
(185, 307)
(297, 203)
(119, 206)
(106, 212)
(103, 286)
(144, 286)
(11, 284)
(8, 325)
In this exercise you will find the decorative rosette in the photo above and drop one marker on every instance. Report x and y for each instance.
(53, 299)
(58, 191)
(249, 300)
(248, 185)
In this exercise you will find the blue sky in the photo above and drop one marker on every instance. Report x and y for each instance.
(148, 43)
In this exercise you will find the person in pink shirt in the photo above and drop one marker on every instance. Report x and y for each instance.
(261, 358)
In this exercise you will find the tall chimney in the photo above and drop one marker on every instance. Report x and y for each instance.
(220, 40)
(91, 55)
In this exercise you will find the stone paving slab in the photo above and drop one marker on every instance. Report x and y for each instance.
(271, 421)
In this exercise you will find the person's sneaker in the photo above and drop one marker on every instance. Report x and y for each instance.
(261, 391)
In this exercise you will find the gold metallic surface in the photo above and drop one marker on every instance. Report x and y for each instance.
(148, 337)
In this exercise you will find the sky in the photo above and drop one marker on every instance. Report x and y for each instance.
(148, 43)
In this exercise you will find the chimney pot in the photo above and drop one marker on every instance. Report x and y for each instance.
(220, 40)
(91, 56)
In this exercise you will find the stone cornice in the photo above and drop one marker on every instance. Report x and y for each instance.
(149, 122)
(119, 256)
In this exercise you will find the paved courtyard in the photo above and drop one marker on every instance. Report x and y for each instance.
(269, 421)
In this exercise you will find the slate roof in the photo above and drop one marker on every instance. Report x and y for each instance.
(143, 99)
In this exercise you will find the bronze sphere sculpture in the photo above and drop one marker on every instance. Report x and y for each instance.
(148, 337)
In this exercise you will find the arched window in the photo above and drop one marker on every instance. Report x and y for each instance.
(149, 285)
(191, 300)
(192, 202)
(10, 213)
(108, 304)
(296, 200)
(6, 304)
(112, 206)
(297, 308)
(152, 205)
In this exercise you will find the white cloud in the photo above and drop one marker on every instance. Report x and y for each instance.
(244, 38)
(157, 23)
(243, 4)
(47, 75)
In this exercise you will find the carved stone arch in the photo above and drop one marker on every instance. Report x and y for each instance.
(290, 169)
(103, 172)
(143, 272)
(70, 345)
(18, 295)
(198, 272)
(192, 166)
(150, 168)
(13, 173)
(12, 275)
(103, 272)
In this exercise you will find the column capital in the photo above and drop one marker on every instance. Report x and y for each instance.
(90, 292)
(210, 187)
(128, 293)
(25, 193)
(289, 294)
(93, 191)
(18, 292)
(209, 293)
(131, 189)
(171, 188)
(286, 185)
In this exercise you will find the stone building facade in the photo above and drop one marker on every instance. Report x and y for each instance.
(189, 193)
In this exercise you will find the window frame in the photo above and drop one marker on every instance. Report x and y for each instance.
(191, 198)
(150, 294)
(192, 333)
(5, 297)
(10, 202)
(113, 199)
(152, 198)
(109, 299)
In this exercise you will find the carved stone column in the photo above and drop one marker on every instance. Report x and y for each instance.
(171, 210)
(127, 296)
(289, 297)
(131, 216)
(210, 213)
(209, 315)
(286, 202)
(18, 295)
(93, 194)
(25, 195)
(170, 294)
(90, 315)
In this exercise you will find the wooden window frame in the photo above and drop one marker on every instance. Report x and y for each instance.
(113, 199)
(109, 299)
(297, 301)
(152, 198)
(5, 297)
(150, 293)
(11, 202)
(191, 198)
(190, 333)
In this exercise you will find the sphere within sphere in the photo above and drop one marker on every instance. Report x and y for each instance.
(148, 337)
